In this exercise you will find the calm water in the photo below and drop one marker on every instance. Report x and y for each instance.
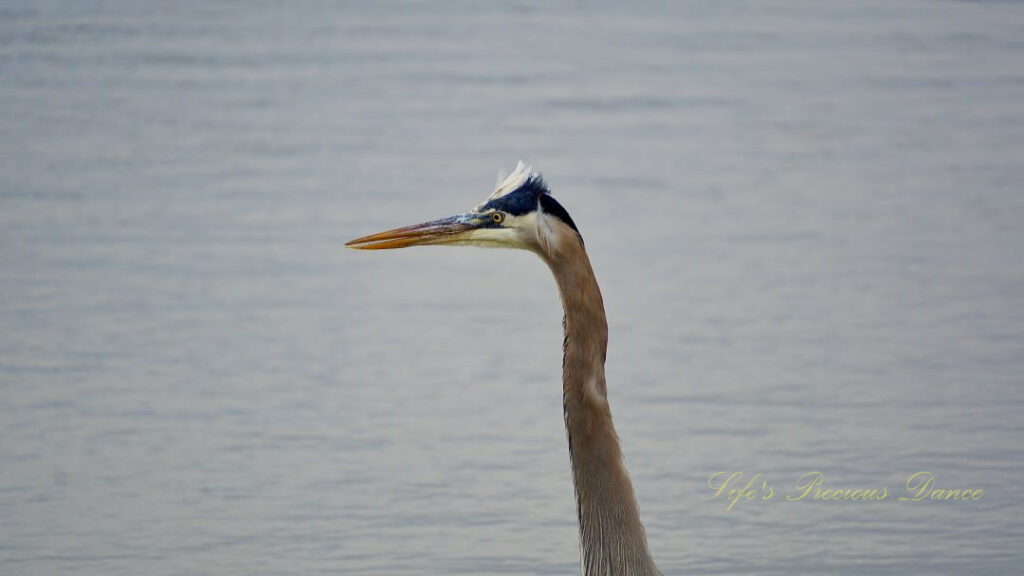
(807, 219)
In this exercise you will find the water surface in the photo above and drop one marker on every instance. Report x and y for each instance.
(806, 219)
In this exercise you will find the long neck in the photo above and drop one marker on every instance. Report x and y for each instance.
(612, 539)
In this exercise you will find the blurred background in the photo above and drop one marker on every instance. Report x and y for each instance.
(807, 220)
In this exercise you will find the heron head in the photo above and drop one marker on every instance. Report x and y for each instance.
(521, 213)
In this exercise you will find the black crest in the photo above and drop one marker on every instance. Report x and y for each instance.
(526, 197)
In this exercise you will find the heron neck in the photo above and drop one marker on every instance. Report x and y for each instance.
(612, 539)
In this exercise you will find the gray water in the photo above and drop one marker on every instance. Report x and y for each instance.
(807, 219)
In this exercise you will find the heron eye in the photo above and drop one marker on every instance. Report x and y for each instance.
(497, 217)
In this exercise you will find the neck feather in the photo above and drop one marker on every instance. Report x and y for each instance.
(612, 539)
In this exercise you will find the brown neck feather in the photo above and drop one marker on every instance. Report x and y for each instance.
(612, 539)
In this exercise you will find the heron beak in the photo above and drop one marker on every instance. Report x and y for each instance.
(443, 231)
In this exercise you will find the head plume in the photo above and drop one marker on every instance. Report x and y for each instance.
(524, 191)
(522, 179)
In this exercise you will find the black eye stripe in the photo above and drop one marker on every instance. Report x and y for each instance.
(524, 200)
(552, 207)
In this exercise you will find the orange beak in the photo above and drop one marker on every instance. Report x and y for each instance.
(441, 231)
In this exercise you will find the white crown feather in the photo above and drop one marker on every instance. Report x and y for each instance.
(506, 184)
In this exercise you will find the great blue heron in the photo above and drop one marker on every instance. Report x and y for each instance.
(521, 213)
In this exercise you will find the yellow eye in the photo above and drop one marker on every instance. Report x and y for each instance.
(497, 217)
